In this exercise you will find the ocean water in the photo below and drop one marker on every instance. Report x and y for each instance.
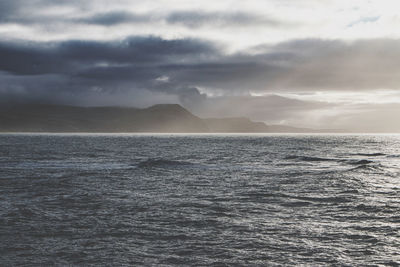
(197, 200)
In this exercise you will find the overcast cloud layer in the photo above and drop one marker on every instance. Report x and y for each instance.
(321, 64)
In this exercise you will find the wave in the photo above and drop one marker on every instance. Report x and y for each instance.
(370, 154)
(318, 159)
(353, 164)
(394, 156)
(334, 199)
(307, 158)
(367, 168)
(295, 204)
(299, 199)
(360, 162)
(163, 163)
(375, 208)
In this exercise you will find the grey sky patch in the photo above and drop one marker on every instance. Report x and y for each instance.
(26, 11)
(195, 19)
(118, 17)
(7, 8)
(364, 20)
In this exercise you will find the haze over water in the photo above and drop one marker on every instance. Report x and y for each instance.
(199, 200)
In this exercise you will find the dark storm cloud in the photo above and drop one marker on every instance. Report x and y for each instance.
(72, 71)
(62, 89)
(72, 57)
(48, 88)
(139, 63)
(135, 50)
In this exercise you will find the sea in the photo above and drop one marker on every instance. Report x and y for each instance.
(199, 200)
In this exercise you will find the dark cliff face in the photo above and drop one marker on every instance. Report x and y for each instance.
(49, 118)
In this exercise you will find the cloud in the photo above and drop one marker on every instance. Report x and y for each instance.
(32, 12)
(29, 13)
(326, 64)
(9, 8)
(195, 19)
(125, 72)
(302, 65)
(299, 65)
(118, 17)
(140, 71)
(61, 89)
(80, 57)
(237, 24)
(189, 19)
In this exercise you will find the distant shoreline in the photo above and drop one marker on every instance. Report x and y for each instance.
(189, 133)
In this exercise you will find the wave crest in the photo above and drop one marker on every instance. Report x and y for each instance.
(307, 158)
(370, 154)
(163, 163)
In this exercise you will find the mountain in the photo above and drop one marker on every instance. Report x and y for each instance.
(52, 118)
(164, 118)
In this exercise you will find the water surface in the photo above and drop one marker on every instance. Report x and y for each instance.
(199, 200)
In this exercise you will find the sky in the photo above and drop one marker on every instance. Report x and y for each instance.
(330, 64)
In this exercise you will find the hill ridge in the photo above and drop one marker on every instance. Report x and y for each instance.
(162, 118)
